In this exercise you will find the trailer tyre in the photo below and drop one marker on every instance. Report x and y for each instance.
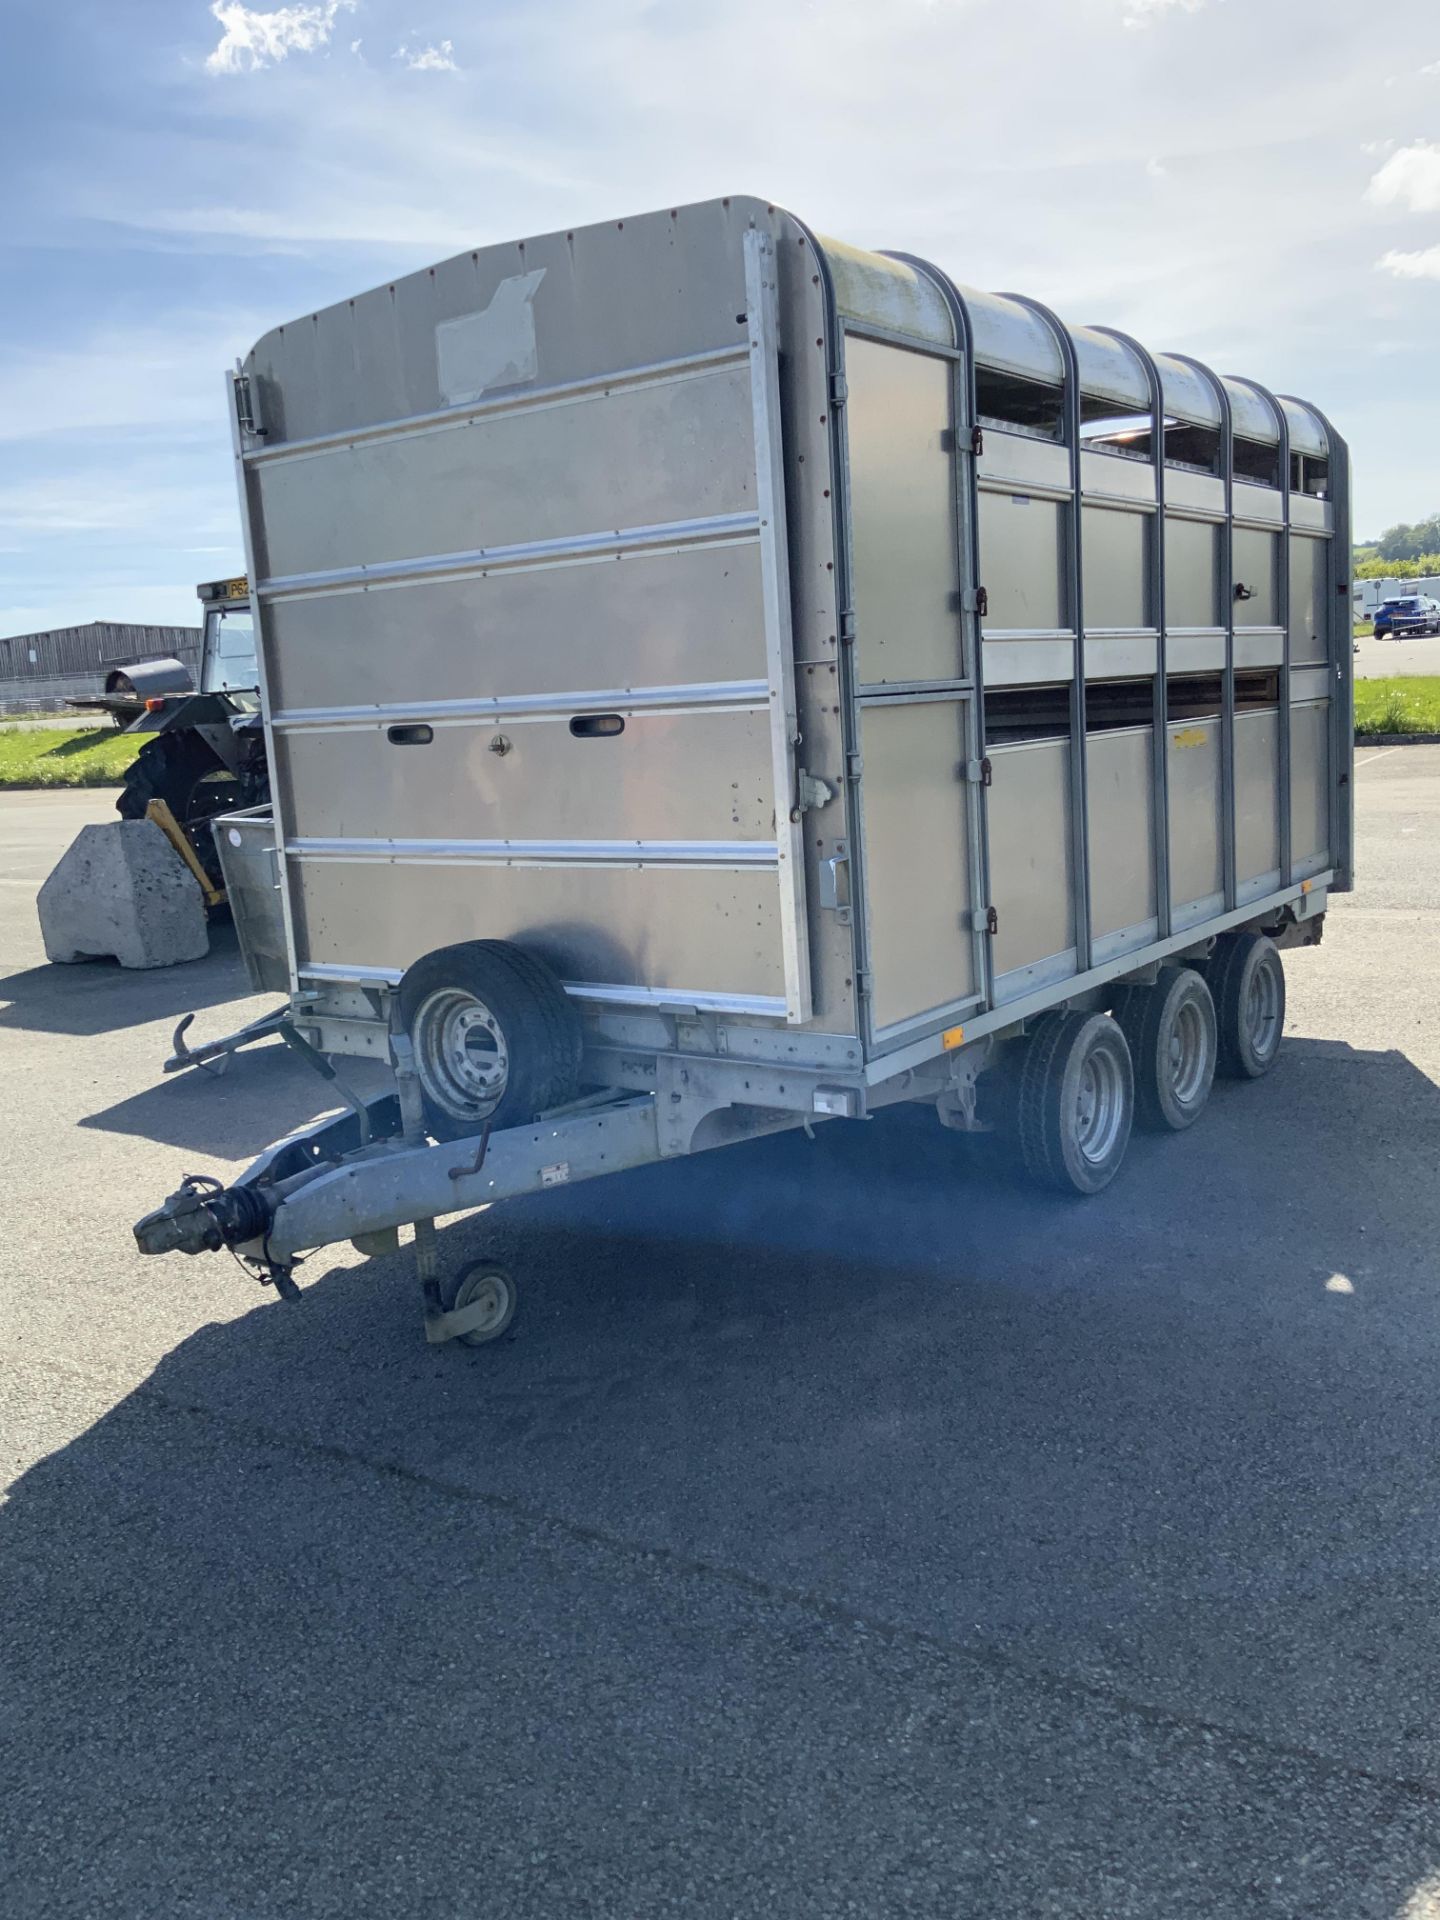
(1077, 1100)
(495, 1036)
(486, 1286)
(1170, 1029)
(1247, 981)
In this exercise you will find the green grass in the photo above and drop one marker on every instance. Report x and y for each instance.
(65, 756)
(1364, 630)
(1404, 704)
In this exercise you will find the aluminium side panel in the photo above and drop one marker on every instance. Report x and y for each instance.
(522, 558)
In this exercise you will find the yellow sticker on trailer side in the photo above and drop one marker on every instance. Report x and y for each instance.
(1191, 737)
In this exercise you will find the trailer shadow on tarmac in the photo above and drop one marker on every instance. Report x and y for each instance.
(101, 996)
(829, 1524)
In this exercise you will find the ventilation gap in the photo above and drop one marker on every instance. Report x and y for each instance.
(1112, 704)
(1108, 427)
(1257, 463)
(1194, 696)
(1026, 713)
(1196, 448)
(1014, 405)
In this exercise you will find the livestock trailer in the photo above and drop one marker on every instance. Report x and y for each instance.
(717, 678)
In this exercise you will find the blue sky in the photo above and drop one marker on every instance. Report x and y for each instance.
(1253, 181)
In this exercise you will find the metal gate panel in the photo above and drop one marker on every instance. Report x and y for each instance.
(1309, 639)
(1116, 569)
(572, 469)
(917, 864)
(1030, 840)
(897, 417)
(1310, 787)
(1257, 802)
(688, 614)
(1197, 870)
(1021, 563)
(1254, 557)
(626, 930)
(692, 776)
(528, 662)
(1192, 574)
(1120, 792)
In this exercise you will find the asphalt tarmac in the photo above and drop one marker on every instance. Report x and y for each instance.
(835, 1534)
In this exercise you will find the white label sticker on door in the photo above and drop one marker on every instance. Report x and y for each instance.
(495, 348)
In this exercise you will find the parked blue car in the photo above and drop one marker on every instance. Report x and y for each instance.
(1404, 618)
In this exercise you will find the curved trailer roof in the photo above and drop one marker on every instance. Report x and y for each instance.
(894, 292)
(909, 296)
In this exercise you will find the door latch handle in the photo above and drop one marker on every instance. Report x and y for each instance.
(830, 888)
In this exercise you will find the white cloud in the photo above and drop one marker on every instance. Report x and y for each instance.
(254, 39)
(1409, 178)
(439, 59)
(1141, 13)
(1424, 265)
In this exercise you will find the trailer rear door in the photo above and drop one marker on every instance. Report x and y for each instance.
(525, 618)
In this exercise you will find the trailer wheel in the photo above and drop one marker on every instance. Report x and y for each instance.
(1247, 980)
(495, 1036)
(484, 1285)
(1170, 1029)
(1077, 1099)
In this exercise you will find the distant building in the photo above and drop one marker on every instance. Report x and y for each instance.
(40, 671)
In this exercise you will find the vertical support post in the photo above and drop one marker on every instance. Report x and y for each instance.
(1160, 703)
(412, 1117)
(247, 434)
(1282, 718)
(1227, 585)
(1075, 598)
(844, 629)
(1340, 653)
(965, 413)
(762, 307)
(1341, 650)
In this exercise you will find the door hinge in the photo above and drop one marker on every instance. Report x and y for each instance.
(862, 982)
(847, 626)
(985, 920)
(839, 390)
(854, 767)
(810, 792)
(976, 600)
(979, 772)
(246, 411)
(977, 440)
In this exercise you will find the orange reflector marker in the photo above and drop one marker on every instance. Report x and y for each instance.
(1304, 886)
(154, 704)
(952, 1037)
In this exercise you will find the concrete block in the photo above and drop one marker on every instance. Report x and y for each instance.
(122, 889)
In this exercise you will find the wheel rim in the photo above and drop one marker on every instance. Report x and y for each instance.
(1189, 1053)
(1099, 1106)
(1262, 1011)
(490, 1291)
(460, 1052)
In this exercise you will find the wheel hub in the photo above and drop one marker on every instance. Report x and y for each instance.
(1262, 1011)
(460, 1052)
(1100, 1106)
(1187, 1053)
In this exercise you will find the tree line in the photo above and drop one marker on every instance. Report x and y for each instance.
(1409, 548)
